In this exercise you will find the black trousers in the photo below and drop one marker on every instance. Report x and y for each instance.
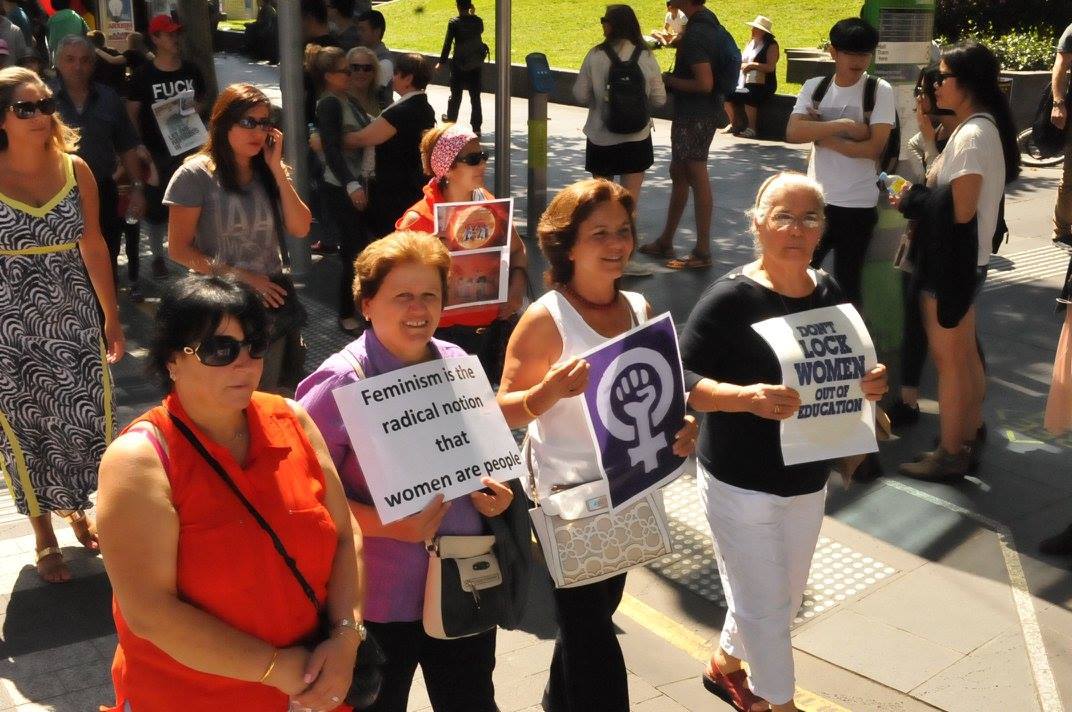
(848, 233)
(456, 672)
(914, 336)
(465, 81)
(587, 668)
(349, 225)
(114, 229)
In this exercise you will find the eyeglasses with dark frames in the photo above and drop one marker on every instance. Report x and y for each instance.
(29, 109)
(940, 77)
(248, 122)
(222, 350)
(362, 68)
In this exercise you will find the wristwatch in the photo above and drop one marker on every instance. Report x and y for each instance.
(356, 626)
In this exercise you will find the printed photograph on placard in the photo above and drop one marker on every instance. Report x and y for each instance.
(476, 225)
(477, 278)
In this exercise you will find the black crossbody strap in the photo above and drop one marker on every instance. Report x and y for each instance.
(215, 465)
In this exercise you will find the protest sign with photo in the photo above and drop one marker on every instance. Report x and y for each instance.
(429, 429)
(477, 235)
(635, 403)
(824, 354)
(179, 123)
(118, 23)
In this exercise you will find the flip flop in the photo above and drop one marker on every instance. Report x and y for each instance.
(50, 562)
(654, 249)
(692, 261)
(84, 530)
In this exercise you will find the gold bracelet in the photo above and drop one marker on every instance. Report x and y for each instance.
(271, 666)
(525, 405)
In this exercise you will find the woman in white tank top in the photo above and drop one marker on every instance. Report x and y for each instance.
(587, 236)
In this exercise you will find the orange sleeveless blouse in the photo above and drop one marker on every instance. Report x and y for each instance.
(226, 563)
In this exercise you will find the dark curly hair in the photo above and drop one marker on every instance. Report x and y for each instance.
(558, 224)
(192, 309)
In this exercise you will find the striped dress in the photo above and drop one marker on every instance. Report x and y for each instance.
(57, 412)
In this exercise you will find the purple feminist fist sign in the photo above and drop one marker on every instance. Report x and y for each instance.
(635, 402)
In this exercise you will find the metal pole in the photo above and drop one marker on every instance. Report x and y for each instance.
(537, 188)
(294, 129)
(502, 98)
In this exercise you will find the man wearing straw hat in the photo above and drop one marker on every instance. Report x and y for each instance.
(756, 82)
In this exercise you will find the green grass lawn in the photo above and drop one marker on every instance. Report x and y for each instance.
(565, 30)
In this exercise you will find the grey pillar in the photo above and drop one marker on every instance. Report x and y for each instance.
(502, 98)
(295, 132)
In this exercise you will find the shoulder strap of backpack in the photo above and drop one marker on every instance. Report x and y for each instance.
(635, 57)
(354, 363)
(615, 60)
(870, 90)
(819, 92)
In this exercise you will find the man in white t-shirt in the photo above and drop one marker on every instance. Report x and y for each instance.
(673, 26)
(848, 144)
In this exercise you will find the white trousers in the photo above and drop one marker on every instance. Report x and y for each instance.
(764, 545)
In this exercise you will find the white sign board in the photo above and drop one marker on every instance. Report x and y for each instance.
(824, 354)
(180, 124)
(429, 429)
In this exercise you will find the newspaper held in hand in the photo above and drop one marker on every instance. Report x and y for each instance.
(180, 124)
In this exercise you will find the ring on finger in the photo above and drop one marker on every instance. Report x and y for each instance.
(777, 409)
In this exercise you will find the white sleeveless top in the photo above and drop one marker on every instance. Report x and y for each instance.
(562, 449)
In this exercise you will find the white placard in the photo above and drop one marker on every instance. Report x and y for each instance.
(429, 429)
(179, 123)
(824, 353)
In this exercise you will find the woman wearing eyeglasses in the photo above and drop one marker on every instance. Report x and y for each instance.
(57, 411)
(208, 614)
(764, 515)
(453, 157)
(346, 174)
(230, 206)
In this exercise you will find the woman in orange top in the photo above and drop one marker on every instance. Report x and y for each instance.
(453, 157)
(209, 616)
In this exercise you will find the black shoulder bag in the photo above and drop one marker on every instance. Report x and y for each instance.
(368, 672)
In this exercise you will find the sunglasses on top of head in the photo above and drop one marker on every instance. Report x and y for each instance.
(29, 109)
(222, 350)
(473, 159)
(248, 122)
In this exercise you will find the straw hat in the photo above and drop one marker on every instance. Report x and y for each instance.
(762, 23)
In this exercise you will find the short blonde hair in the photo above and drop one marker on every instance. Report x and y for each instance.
(400, 247)
(370, 103)
(64, 138)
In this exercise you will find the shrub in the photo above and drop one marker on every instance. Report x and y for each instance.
(1015, 49)
(952, 17)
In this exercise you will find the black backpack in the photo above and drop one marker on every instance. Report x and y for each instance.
(627, 94)
(892, 152)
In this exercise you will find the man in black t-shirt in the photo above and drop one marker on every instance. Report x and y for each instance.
(163, 78)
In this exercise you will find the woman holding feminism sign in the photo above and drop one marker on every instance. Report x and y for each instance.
(764, 515)
(399, 287)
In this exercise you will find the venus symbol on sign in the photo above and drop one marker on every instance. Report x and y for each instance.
(639, 385)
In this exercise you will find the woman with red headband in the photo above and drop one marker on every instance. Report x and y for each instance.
(453, 157)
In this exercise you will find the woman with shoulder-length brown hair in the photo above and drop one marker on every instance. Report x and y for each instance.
(400, 285)
(231, 203)
(57, 410)
(587, 235)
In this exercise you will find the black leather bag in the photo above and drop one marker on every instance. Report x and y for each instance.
(368, 668)
(1048, 139)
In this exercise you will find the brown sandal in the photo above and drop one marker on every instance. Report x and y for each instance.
(692, 261)
(59, 568)
(732, 688)
(83, 530)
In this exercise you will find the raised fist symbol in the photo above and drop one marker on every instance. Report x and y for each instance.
(637, 395)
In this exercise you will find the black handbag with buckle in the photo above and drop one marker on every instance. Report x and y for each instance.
(368, 668)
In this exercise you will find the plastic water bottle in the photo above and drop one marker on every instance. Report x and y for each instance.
(893, 184)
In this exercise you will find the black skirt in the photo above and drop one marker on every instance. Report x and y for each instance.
(619, 159)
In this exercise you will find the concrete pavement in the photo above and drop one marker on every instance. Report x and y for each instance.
(921, 596)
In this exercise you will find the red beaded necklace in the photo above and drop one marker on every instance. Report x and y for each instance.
(590, 304)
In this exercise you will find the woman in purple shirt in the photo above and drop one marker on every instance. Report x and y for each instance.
(399, 285)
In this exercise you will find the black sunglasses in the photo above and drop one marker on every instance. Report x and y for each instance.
(473, 159)
(940, 77)
(248, 122)
(222, 350)
(362, 67)
(28, 109)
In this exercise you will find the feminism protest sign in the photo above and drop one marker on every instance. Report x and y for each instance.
(430, 429)
(635, 403)
(824, 354)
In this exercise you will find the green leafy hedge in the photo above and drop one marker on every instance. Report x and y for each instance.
(1015, 49)
(953, 16)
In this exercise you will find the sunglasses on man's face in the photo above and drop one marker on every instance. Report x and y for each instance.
(362, 67)
(248, 122)
(29, 109)
(473, 159)
(222, 350)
